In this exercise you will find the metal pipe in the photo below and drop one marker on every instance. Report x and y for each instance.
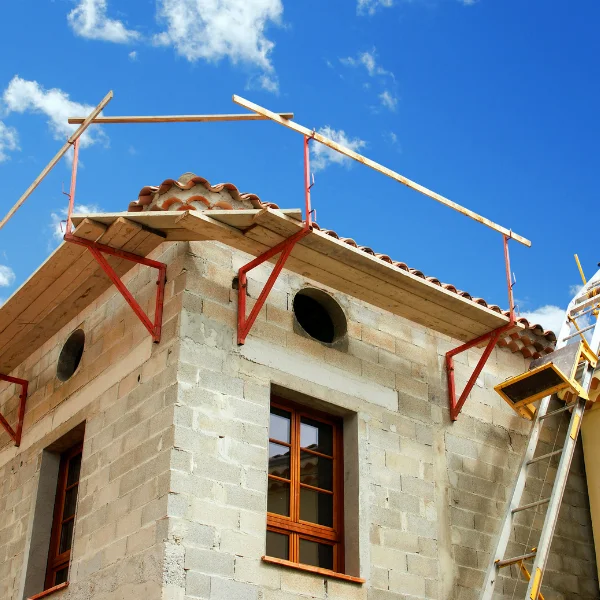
(531, 505)
(516, 559)
(579, 332)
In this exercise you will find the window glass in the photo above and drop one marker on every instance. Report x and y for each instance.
(278, 497)
(279, 460)
(316, 436)
(278, 545)
(316, 471)
(316, 507)
(66, 536)
(279, 425)
(74, 470)
(316, 554)
(62, 576)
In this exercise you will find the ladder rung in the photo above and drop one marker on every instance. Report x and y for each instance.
(543, 456)
(558, 410)
(516, 559)
(585, 312)
(530, 505)
(578, 332)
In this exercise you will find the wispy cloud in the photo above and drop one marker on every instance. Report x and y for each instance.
(388, 100)
(89, 19)
(7, 276)
(370, 6)
(391, 137)
(215, 29)
(59, 218)
(368, 60)
(548, 316)
(9, 141)
(322, 156)
(29, 96)
(133, 55)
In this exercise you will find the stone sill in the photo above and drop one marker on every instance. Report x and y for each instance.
(311, 569)
(56, 588)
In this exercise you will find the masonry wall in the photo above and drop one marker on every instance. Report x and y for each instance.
(427, 494)
(124, 390)
(172, 502)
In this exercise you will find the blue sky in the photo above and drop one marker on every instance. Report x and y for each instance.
(493, 104)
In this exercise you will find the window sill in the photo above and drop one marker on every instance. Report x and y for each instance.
(56, 588)
(310, 569)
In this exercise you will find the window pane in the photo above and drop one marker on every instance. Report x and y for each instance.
(74, 468)
(315, 554)
(316, 507)
(61, 576)
(279, 460)
(66, 536)
(278, 497)
(317, 436)
(316, 471)
(70, 502)
(279, 425)
(278, 545)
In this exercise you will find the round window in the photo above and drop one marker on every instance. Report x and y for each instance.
(70, 355)
(319, 315)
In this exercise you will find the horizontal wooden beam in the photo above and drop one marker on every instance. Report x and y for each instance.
(76, 134)
(377, 167)
(180, 118)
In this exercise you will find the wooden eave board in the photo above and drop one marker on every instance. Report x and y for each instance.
(65, 284)
(333, 263)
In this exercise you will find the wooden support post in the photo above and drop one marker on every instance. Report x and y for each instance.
(377, 167)
(179, 118)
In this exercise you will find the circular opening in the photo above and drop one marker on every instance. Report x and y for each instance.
(70, 355)
(319, 315)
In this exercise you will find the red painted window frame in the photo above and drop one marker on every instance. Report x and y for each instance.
(292, 525)
(58, 561)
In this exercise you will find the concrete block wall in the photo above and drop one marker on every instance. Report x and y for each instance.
(427, 494)
(125, 390)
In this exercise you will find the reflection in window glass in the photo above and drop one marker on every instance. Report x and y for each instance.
(279, 460)
(316, 507)
(317, 436)
(316, 471)
(278, 497)
(315, 554)
(278, 545)
(279, 425)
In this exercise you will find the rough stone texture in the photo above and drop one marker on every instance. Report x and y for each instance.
(173, 493)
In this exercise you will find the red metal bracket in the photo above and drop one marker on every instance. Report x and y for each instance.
(493, 336)
(97, 249)
(16, 435)
(244, 324)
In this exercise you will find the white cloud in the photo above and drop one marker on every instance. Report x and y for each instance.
(132, 56)
(371, 6)
(29, 96)
(59, 218)
(388, 100)
(548, 316)
(392, 137)
(368, 60)
(215, 29)
(322, 156)
(7, 276)
(9, 141)
(89, 19)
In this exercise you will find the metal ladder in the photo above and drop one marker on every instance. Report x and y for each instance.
(583, 304)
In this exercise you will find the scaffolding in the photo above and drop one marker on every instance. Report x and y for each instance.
(284, 249)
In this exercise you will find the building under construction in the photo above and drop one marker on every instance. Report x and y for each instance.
(208, 396)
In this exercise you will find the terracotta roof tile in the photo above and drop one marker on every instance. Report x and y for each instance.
(191, 192)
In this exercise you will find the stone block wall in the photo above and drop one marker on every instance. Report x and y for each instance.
(427, 494)
(124, 390)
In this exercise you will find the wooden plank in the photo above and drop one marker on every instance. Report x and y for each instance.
(179, 118)
(63, 258)
(242, 219)
(364, 286)
(347, 255)
(380, 168)
(85, 123)
(36, 316)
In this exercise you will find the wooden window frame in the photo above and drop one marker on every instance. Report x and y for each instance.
(292, 526)
(58, 561)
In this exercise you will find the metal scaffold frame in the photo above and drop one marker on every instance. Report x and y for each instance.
(284, 249)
